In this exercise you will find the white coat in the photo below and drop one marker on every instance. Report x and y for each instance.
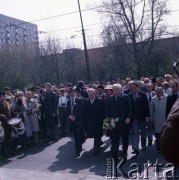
(34, 107)
(158, 112)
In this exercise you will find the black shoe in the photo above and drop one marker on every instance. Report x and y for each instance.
(77, 155)
(11, 151)
(53, 139)
(101, 143)
(5, 154)
(83, 139)
(124, 155)
(149, 143)
(56, 139)
(23, 147)
(136, 152)
(36, 144)
(78, 150)
(96, 152)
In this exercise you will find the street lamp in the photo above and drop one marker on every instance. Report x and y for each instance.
(85, 46)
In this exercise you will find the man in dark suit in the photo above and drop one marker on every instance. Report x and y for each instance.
(81, 85)
(140, 117)
(127, 89)
(100, 92)
(119, 106)
(50, 110)
(75, 108)
(150, 127)
(171, 99)
(94, 116)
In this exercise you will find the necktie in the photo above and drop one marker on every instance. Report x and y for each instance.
(150, 98)
(72, 104)
(135, 97)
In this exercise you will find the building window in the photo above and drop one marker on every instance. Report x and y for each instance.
(8, 35)
(8, 23)
(8, 29)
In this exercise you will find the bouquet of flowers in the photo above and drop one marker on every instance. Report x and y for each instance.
(109, 123)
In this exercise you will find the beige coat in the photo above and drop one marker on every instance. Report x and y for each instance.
(33, 106)
(158, 112)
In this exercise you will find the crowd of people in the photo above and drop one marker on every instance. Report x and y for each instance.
(139, 107)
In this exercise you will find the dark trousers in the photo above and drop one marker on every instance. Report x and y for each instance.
(138, 129)
(63, 117)
(19, 140)
(54, 132)
(6, 143)
(150, 132)
(79, 137)
(157, 136)
(43, 127)
(115, 144)
(97, 142)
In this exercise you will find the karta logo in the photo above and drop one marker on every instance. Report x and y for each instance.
(115, 169)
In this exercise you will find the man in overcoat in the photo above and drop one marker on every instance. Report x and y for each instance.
(119, 106)
(94, 116)
(50, 111)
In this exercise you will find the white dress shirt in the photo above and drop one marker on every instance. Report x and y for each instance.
(62, 102)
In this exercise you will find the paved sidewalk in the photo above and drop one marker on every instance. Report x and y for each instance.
(57, 161)
(16, 174)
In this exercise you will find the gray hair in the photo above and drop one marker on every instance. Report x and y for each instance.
(141, 82)
(158, 88)
(117, 86)
(131, 82)
(91, 90)
(149, 84)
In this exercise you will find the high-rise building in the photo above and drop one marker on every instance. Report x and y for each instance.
(16, 33)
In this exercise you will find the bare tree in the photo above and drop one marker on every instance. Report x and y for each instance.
(53, 63)
(137, 23)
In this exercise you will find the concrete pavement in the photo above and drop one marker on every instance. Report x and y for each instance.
(58, 161)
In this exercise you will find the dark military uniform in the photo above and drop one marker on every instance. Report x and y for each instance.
(5, 114)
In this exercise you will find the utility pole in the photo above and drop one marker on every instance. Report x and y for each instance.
(85, 46)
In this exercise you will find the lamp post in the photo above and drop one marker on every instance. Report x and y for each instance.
(85, 46)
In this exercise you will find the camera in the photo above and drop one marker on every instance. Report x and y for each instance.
(63, 104)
